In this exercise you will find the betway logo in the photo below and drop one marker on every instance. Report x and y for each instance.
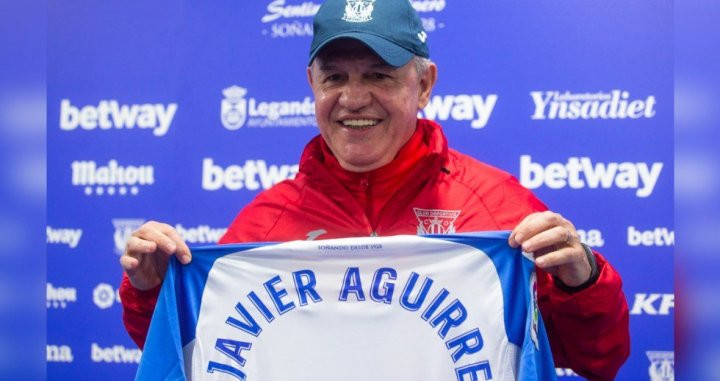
(60, 296)
(109, 114)
(59, 353)
(111, 178)
(115, 354)
(461, 107)
(591, 237)
(655, 237)
(653, 304)
(613, 105)
(200, 234)
(581, 172)
(69, 237)
(255, 174)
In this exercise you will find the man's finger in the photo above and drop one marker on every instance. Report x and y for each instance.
(556, 258)
(137, 246)
(128, 263)
(540, 222)
(163, 242)
(557, 235)
(516, 240)
(183, 251)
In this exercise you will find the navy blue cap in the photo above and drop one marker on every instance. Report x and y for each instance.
(391, 28)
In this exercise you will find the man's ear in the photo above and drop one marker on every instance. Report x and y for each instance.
(309, 76)
(427, 82)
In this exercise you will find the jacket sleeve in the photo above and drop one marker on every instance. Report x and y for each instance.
(138, 307)
(588, 329)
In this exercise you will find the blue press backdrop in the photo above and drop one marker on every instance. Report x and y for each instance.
(140, 127)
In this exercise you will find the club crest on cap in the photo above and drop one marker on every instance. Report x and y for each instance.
(358, 10)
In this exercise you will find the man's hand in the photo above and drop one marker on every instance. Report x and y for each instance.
(147, 253)
(556, 246)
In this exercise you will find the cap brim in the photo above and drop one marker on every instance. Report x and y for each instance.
(389, 52)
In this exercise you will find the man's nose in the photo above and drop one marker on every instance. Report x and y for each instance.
(355, 96)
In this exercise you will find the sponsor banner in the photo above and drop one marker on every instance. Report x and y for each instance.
(653, 304)
(124, 227)
(582, 172)
(60, 297)
(63, 236)
(615, 104)
(105, 295)
(293, 18)
(473, 108)
(59, 353)
(111, 115)
(237, 111)
(111, 179)
(660, 236)
(591, 237)
(662, 365)
(116, 354)
(252, 176)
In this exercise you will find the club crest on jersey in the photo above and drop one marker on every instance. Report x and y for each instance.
(358, 10)
(123, 230)
(436, 221)
(662, 365)
(233, 108)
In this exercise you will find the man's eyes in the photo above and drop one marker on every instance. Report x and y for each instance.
(333, 78)
(379, 76)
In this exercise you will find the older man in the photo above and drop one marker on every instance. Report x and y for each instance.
(376, 169)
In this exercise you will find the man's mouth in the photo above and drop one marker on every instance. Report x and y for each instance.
(359, 123)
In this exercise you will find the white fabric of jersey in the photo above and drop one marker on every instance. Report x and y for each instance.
(460, 307)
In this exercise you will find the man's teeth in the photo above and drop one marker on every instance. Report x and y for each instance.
(360, 122)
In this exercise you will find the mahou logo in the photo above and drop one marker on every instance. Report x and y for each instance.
(111, 179)
(616, 104)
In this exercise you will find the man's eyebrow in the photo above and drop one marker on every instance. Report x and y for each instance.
(327, 67)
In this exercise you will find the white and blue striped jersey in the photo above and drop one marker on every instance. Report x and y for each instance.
(460, 307)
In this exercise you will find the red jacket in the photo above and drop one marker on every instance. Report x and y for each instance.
(428, 188)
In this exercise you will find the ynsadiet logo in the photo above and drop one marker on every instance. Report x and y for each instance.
(111, 179)
(124, 227)
(236, 111)
(662, 365)
(613, 105)
(109, 114)
(463, 108)
(436, 221)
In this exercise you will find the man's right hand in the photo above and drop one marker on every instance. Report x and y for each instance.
(147, 253)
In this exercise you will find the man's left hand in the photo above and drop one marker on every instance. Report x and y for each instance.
(556, 246)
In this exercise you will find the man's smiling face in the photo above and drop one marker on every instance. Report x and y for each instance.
(366, 109)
